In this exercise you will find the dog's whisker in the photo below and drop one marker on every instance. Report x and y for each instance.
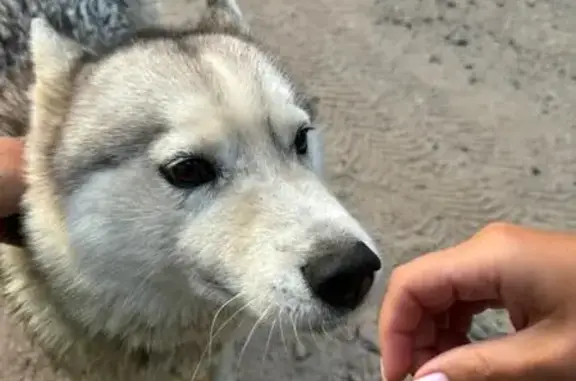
(215, 319)
(282, 337)
(312, 333)
(324, 332)
(251, 333)
(330, 336)
(222, 326)
(200, 362)
(295, 329)
(227, 321)
(268, 340)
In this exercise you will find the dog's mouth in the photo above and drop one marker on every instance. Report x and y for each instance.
(213, 284)
(319, 323)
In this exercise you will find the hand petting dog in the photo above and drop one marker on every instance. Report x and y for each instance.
(11, 180)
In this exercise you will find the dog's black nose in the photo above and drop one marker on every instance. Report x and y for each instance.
(342, 276)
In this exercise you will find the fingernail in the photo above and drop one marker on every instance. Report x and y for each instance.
(382, 370)
(433, 377)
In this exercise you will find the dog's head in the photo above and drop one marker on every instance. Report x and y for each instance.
(185, 166)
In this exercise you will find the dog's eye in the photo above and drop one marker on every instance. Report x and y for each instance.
(301, 140)
(189, 172)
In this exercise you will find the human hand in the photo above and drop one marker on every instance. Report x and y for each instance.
(430, 301)
(11, 180)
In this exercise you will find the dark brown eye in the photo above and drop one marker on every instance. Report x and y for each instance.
(189, 172)
(301, 140)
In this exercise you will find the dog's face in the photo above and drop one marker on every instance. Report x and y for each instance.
(188, 166)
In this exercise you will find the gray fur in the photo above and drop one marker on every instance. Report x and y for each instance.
(97, 24)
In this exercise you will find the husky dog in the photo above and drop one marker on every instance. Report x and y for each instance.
(174, 190)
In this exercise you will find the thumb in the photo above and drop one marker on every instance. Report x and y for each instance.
(533, 354)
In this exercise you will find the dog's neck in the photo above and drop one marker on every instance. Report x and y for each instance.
(37, 305)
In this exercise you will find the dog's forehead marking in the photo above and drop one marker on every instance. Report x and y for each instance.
(241, 93)
(222, 84)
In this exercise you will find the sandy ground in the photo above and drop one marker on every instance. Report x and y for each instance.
(440, 116)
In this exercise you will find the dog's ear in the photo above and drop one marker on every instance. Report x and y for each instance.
(54, 58)
(217, 16)
(223, 16)
(169, 14)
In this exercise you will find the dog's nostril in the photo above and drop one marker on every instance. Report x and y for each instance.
(342, 277)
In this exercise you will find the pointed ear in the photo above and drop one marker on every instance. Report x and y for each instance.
(223, 16)
(54, 58)
(52, 53)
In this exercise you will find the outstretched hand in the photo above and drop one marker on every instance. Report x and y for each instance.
(430, 302)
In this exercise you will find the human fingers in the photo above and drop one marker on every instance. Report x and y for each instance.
(530, 272)
(439, 333)
(428, 286)
(540, 353)
(11, 179)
